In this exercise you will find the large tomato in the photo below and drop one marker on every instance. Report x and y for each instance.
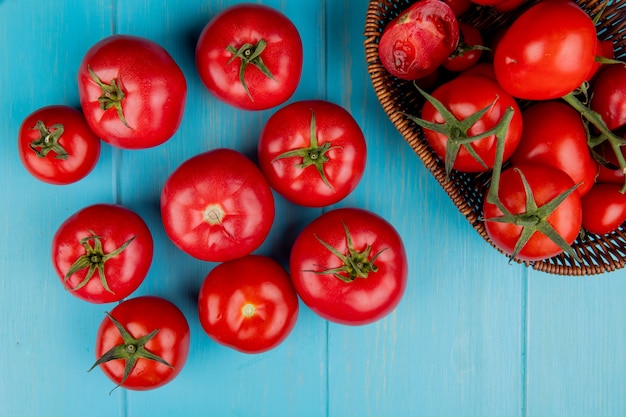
(248, 304)
(462, 99)
(132, 92)
(143, 343)
(419, 39)
(250, 56)
(312, 152)
(57, 146)
(102, 253)
(349, 266)
(604, 208)
(544, 212)
(608, 95)
(540, 57)
(553, 133)
(217, 206)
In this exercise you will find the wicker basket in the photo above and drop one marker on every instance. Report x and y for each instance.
(597, 253)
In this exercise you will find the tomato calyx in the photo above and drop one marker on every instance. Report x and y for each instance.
(94, 259)
(249, 54)
(48, 140)
(355, 264)
(112, 95)
(130, 350)
(313, 154)
(463, 47)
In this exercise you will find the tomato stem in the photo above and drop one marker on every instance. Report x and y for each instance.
(48, 140)
(112, 95)
(249, 54)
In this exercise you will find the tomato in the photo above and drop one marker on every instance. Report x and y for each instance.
(604, 50)
(604, 208)
(143, 343)
(312, 152)
(540, 57)
(419, 39)
(534, 233)
(217, 206)
(102, 253)
(250, 56)
(463, 97)
(553, 133)
(608, 166)
(57, 146)
(131, 91)
(459, 6)
(248, 304)
(349, 266)
(608, 95)
(468, 51)
(508, 5)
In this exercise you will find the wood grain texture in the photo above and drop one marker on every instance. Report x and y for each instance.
(474, 335)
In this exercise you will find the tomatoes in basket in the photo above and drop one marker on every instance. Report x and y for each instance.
(419, 39)
(217, 206)
(312, 152)
(540, 57)
(132, 92)
(248, 304)
(102, 253)
(349, 266)
(604, 208)
(250, 56)
(142, 343)
(542, 214)
(553, 133)
(57, 146)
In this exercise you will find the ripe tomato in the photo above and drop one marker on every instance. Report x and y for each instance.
(102, 253)
(526, 236)
(419, 39)
(540, 57)
(250, 56)
(143, 343)
(312, 152)
(459, 6)
(553, 133)
(608, 95)
(468, 51)
(57, 146)
(248, 304)
(349, 266)
(217, 206)
(463, 97)
(132, 92)
(604, 50)
(608, 165)
(604, 208)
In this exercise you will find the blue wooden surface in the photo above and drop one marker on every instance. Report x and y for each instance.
(473, 336)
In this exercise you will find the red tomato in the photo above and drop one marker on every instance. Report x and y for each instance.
(102, 253)
(250, 56)
(459, 6)
(604, 50)
(312, 152)
(349, 266)
(546, 183)
(604, 208)
(463, 97)
(217, 206)
(143, 343)
(553, 133)
(419, 39)
(508, 5)
(131, 91)
(608, 166)
(468, 51)
(248, 304)
(56, 145)
(540, 57)
(608, 95)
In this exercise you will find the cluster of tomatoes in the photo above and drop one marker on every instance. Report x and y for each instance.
(349, 265)
(541, 103)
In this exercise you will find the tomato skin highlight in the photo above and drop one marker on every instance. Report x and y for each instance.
(289, 129)
(153, 85)
(81, 144)
(115, 225)
(140, 316)
(242, 24)
(364, 300)
(540, 58)
(217, 206)
(604, 208)
(248, 304)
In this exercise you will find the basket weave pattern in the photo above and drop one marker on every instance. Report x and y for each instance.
(598, 253)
